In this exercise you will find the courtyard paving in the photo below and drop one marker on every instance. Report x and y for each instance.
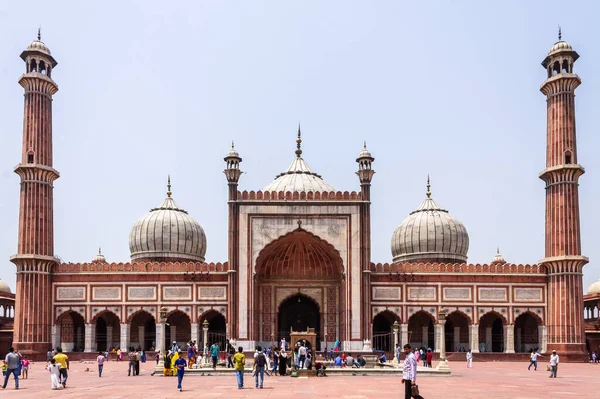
(485, 380)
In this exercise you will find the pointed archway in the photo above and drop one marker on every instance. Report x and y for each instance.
(527, 332)
(298, 313)
(107, 330)
(491, 332)
(383, 338)
(421, 331)
(457, 331)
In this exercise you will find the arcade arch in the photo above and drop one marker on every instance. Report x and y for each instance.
(421, 330)
(142, 330)
(527, 335)
(108, 330)
(72, 331)
(457, 331)
(178, 329)
(383, 335)
(491, 332)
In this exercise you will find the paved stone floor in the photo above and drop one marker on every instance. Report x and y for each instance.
(485, 380)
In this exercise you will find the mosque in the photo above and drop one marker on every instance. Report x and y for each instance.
(299, 256)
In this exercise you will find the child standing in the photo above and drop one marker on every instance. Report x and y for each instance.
(54, 370)
(180, 365)
(25, 364)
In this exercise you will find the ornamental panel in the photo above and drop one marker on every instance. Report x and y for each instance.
(492, 294)
(457, 293)
(70, 293)
(212, 293)
(177, 293)
(137, 293)
(528, 294)
(386, 293)
(110, 293)
(422, 293)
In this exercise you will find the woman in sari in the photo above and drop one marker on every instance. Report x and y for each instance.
(119, 355)
(173, 359)
(282, 363)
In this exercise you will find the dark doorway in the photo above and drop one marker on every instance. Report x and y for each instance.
(526, 333)
(298, 313)
(498, 336)
(101, 344)
(383, 338)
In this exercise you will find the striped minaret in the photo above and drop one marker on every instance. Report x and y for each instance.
(35, 252)
(563, 239)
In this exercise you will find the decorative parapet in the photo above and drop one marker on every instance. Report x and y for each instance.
(505, 268)
(299, 196)
(142, 267)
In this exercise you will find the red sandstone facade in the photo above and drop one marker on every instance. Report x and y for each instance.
(299, 256)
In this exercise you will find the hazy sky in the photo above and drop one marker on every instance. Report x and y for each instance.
(446, 88)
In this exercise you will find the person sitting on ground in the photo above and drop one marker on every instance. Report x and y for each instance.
(308, 361)
(320, 369)
(338, 361)
(382, 359)
(360, 362)
(349, 360)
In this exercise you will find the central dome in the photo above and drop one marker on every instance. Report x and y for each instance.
(430, 234)
(167, 233)
(298, 176)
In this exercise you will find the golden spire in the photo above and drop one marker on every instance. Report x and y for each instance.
(169, 187)
(428, 188)
(299, 142)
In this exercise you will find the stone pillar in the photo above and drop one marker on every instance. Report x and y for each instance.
(55, 336)
(141, 337)
(173, 335)
(509, 338)
(488, 339)
(474, 338)
(160, 338)
(403, 334)
(109, 337)
(456, 338)
(543, 339)
(425, 336)
(195, 329)
(205, 334)
(438, 333)
(124, 345)
(89, 337)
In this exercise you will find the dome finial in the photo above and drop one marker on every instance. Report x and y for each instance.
(365, 144)
(99, 251)
(428, 188)
(232, 145)
(559, 33)
(40, 33)
(169, 187)
(299, 142)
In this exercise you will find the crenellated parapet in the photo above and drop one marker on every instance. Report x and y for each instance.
(142, 267)
(505, 268)
(299, 196)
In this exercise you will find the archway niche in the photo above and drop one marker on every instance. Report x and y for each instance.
(527, 336)
(217, 328)
(298, 313)
(383, 338)
(108, 331)
(491, 332)
(142, 330)
(178, 329)
(457, 332)
(421, 331)
(72, 332)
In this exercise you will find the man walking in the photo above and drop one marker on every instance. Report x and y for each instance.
(12, 361)
(131, 356)
(533, 360)
(554, 360)
(100, 359)
(259, 364)
(398, 353)
(64, 366)
(301, 355)
(239, 361)
(214, 352)
(230, 353)
(469, 359)
(409, 373)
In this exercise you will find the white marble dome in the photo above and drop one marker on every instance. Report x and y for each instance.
(167, 233)
(430, 234)
(594, 288)
(38, 45)
(559, 46)
(4, 287)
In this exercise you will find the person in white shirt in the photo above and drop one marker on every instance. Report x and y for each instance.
(469, 359)
(301, 355)
(533, 360)
(409, 373)
(554, 360)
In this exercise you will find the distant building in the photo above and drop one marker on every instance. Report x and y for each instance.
(7, 317)
(591, 312)
(300, 256)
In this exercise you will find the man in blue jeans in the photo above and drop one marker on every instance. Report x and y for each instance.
(180, 365)
(260, 363)
(12, 361)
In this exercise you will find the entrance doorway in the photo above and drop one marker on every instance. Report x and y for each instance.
(383, 338)
(298, 312)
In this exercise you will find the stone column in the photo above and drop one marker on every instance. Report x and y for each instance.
(542, 339)
(55, 336)
(109, 337)
(160, 338)
(124, 345)
(474, 338)
(204, 334)
(509, 338)
(456, 338)
(425, 336)
(141, 337)
(403, 335)
(89, 337)
(438, 332)
(488, 339)
(195, 329)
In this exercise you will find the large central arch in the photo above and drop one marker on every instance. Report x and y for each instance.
(299, 266)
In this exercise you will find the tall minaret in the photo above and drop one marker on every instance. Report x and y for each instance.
(233, 173)
(35, 252)
(563, 239)
(365, 174)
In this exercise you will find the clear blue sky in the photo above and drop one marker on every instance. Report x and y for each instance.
(445, 88)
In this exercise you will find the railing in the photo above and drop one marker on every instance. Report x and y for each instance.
(383, 341)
